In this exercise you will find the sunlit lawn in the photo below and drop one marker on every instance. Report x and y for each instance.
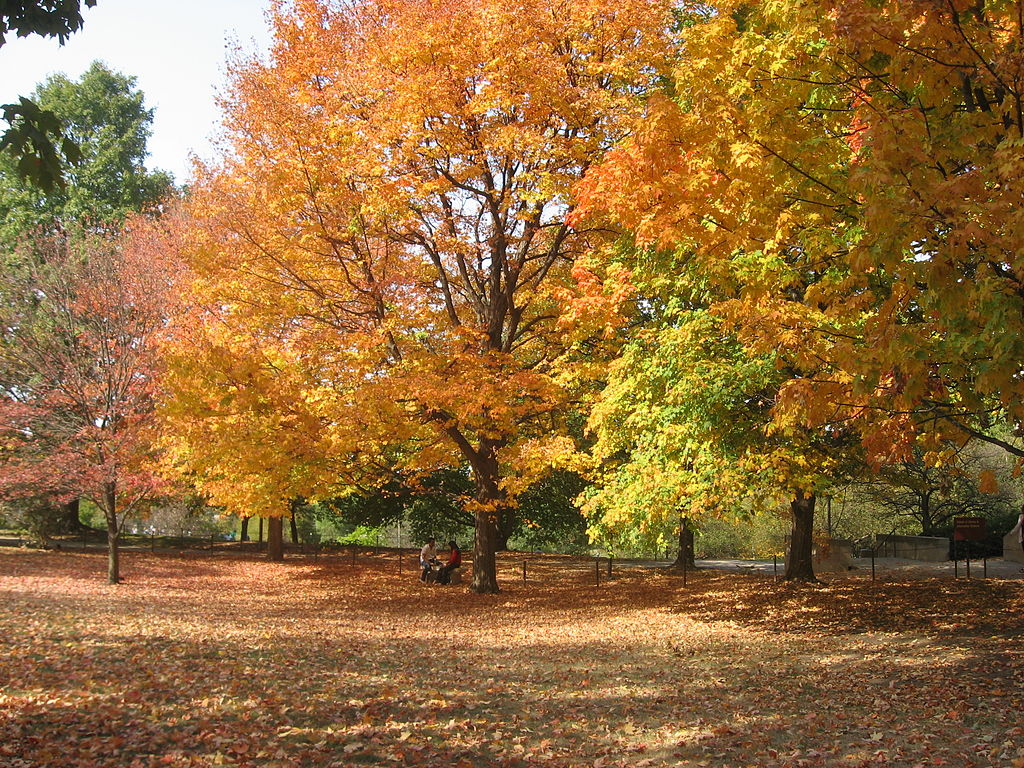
(219, 660)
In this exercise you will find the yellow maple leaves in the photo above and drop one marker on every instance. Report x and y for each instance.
(387, 236)
(854, 195)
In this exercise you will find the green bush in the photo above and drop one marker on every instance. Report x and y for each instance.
(363, 536)
(756, 537)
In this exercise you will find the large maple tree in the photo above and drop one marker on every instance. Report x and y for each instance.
(388, 227)
(848, 178)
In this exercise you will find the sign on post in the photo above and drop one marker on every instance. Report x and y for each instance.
(968, 528)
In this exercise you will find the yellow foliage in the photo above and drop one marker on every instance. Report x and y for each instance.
(380, 255)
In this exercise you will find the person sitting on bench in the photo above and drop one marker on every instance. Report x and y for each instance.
(444, 576)
(428, 558)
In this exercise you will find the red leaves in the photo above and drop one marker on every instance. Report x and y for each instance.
(79, 369)
(225, 661)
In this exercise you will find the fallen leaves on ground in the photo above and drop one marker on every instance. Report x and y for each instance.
(225, 660)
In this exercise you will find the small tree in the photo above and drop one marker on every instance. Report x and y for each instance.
(929, 494)
(77, 368)
(684, 425)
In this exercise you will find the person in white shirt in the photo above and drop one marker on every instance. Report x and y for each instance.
(428, 556)
(1020, 528)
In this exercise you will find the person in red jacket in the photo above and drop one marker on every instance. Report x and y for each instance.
(454, 561)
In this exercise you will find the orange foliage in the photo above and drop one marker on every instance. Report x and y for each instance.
(219, 660)
(383, 245)
(849, 176)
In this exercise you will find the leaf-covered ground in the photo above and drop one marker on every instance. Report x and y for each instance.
(221, 660)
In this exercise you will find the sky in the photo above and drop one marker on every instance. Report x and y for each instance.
(177, 51)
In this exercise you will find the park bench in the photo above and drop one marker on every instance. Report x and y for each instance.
(434, 572)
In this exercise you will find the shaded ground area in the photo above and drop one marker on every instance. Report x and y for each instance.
(214, 660)
(887, 568)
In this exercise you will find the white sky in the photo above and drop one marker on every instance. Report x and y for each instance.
(176, 50)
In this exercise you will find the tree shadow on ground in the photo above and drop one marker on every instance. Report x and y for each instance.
(979, 606)
(270, 690)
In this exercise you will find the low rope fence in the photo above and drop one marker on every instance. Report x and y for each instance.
(522, 567)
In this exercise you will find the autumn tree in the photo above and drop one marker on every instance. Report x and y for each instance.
(77, 372)
(388, 227)
(848, 174)
(236, 424)
(104, 115)
(683, 430)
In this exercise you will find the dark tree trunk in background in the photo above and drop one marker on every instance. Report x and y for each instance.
(799, 563)
(260, 539)
(245, 529)
(685, 545)
(503, 532)
(67, 518)
(275, 539)
(294, 525)
(927, 526)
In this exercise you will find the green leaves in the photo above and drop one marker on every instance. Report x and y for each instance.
(49, 18)
(81, 145)
(34, 134)
(36, 141)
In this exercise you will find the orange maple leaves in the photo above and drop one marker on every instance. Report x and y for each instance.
(846, 185)
(387, 239)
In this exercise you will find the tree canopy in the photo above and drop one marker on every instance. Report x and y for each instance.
(855, 203)
(389, 229)
(104, 115)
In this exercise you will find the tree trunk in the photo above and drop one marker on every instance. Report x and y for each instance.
(503, 531)
(113, 555)
(259, 540)
(485, 567)
(275, 539)
(67, 518)
(685, 545)
(927, 526)
(799, 564)
(294, 525)
(491, 503)
(244, 536)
